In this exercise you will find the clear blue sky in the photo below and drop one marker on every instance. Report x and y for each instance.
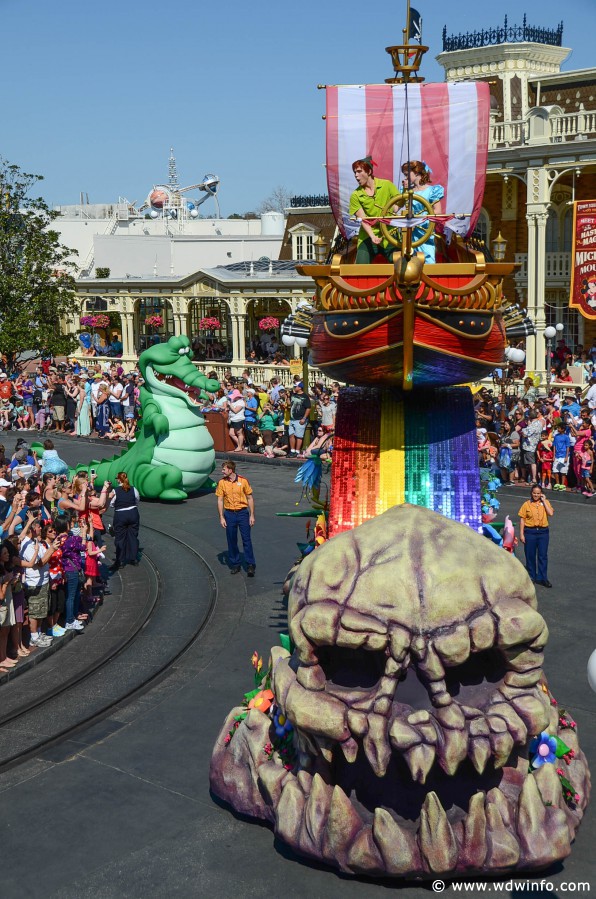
(94, 94)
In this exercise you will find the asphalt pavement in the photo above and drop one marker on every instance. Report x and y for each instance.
(122, 808)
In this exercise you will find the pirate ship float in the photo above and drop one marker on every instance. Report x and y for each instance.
(410, 324)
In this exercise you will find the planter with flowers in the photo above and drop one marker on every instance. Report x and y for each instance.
(209, 323)
(89, 339)
(269, 323)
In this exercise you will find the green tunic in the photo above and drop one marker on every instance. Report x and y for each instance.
(373, 206)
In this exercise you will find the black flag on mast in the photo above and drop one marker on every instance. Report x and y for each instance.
(415, 26)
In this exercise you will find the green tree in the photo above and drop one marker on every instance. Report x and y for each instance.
(37, 284)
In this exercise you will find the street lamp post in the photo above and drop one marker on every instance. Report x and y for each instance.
(549, 335)
(499, 245)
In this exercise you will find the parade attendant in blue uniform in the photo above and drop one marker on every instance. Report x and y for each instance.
(126, 521)
(417, 178)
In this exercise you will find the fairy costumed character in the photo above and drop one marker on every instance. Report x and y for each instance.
(368, 202)
(417, 178)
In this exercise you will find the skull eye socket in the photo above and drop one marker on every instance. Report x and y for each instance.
(357, 669)
(473, 682)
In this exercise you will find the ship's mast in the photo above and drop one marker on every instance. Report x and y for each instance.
(406, 57)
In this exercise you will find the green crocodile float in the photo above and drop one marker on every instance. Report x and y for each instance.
(173, 454)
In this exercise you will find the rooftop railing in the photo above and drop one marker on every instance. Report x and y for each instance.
(503, 34)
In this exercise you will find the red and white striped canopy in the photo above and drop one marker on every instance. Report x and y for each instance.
(448, 129)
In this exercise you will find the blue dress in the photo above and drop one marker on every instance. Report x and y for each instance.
(432, 193)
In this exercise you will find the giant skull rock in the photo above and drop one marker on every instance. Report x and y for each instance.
(415, 688)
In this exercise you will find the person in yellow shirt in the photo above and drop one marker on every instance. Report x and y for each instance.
(534, 534)
(236, 509)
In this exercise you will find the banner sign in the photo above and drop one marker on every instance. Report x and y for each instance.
(583, 277)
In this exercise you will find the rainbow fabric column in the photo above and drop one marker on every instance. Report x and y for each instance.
(391, 449)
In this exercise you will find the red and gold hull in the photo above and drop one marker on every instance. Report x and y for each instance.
(371, 328)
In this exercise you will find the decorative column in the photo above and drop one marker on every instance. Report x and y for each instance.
(531, 341)
(128, 343)
(241, 320)
(540, 312)
(538, 204)
(183, 324)
(178, 324)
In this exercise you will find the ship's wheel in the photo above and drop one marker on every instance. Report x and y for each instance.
(393, 233)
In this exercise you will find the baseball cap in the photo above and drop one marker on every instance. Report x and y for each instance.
(235, 395)
(3, 374)
(299, 384)
(4, 483)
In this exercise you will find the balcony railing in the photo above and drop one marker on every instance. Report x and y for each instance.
(503, 34)
(558, 267)
(558, 128)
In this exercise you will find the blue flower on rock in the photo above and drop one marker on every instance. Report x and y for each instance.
(543, 749)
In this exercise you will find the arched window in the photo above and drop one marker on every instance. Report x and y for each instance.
(482, 229)
(212, 343)
(568, 230)
(150, 329)
(257, 338)
(97, 304)
(552, 231)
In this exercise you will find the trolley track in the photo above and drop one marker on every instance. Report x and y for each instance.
(124, 666)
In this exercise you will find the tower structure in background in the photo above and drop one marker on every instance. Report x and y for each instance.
(172, 172)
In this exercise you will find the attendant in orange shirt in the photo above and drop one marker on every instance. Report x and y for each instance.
(534, 534)
(236, 508)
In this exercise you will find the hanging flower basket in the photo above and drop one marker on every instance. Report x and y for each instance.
(209, 323)
(95, 321)
(154, 321)
(269, 323)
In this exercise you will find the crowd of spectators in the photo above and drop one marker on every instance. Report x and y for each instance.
(548, 440)
(72, 399)
(563, 359)
(262, 350)
(51, 546)
(273, 419)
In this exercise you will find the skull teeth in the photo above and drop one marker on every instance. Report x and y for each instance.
(420, 760)
(376, 746)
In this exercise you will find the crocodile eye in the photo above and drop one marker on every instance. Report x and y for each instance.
(181, 352)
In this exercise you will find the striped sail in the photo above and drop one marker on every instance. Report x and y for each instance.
(448, 129)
